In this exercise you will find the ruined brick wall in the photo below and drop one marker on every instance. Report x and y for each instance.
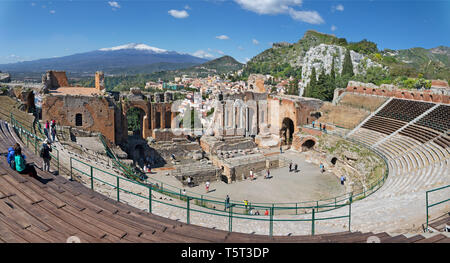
(99, 80)
(426, 95)
(96, 113)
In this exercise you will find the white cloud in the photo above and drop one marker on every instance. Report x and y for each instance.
(203, 54)
(272, 7)
(220, 52)
(178, 13)
(311, 17)
(333, 28)
(33, 4)
(114, 4)
(52, 12)
(223, 37)
(339, 7)
(269, 6)
(256, 42)
(187, 7)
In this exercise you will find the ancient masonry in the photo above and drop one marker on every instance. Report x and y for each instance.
(91, 109)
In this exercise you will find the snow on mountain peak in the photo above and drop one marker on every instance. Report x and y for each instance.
(135, 46)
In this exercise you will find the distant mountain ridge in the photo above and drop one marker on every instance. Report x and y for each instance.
(111, 60)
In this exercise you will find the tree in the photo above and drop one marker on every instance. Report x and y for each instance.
(347, 67)
(312, 83)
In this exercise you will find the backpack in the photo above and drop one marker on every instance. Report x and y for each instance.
(42, 152)
(13, 165)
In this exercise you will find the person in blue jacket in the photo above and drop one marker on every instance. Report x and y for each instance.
(11, 154)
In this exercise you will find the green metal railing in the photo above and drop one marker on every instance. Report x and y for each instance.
(117, 183)
(428, 205)
(33, 139)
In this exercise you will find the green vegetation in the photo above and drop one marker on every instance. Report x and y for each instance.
(282, 59)
(134, 118)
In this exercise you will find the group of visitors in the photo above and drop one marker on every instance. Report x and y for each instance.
(321, 127)
(294, 166)
(17, 161)
(50, 130)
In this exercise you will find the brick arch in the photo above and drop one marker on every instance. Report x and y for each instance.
(144, 106)
(303, 142)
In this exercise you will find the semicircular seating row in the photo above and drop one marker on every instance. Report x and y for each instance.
(419, 153)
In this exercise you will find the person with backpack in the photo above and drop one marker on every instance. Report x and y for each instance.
(45, 155)
(21, 166)
(11, 154)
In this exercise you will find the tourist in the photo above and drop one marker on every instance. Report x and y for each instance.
(145, 167)
(313, 123)
(21, 166)
(189, 181)
(281, 148)
(227, 202)
(184, 191)
(46, 128)
(11, 154)
(295, 167)
(251, 174)
(320, 126)
(257, 213)
(324, 128)
(322, 168)
(45, 155)
(207, 186)
(266, 213)
(267, 174)
(290, 166)
(342, 179)
(53, 133)
(246, 204)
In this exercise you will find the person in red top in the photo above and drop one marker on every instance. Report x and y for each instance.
(266, 213)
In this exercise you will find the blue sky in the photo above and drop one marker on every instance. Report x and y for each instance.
(210, 28)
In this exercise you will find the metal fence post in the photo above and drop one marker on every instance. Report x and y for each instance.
(312, 228)
(188, 219)
(271, 221)
(426, 199)
(149, 199)
(92, 177)
(71, 175)
(349, 216)
(118, 189)
(230, 219)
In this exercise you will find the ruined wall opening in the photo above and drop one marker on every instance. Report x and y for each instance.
(334, 160)
(78, 119)
(287, 130)
(135, 121)
(308, 145)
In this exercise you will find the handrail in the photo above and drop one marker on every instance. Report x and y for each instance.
(428, 206)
